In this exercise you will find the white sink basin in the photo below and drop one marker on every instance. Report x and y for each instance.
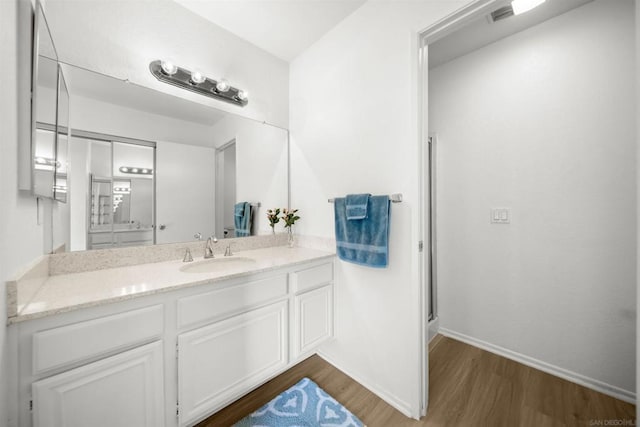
(216, 264)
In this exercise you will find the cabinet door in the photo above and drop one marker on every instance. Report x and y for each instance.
(220, 362)
(313, 319)
(123, 390)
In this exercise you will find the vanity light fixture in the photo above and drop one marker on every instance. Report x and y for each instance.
(135, 170)
(222, 86)
(168, 67)
(197, 77)
(194, 81)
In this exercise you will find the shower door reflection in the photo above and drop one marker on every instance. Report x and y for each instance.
(121, 203)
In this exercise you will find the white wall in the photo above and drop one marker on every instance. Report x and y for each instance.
(21, 236)
(121, 38)
(261, 164)
(349, 135)
(543, 122)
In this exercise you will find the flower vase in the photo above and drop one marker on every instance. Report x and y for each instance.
(290, 240)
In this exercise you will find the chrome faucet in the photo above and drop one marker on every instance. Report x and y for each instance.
(227, 252)
(208, 249)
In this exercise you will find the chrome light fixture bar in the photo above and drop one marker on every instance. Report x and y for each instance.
(196, 82)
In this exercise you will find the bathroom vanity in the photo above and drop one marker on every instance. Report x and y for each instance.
(111, 328)
(165, 343)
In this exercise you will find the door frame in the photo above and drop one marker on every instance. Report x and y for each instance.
(431, 34)
(219, 186)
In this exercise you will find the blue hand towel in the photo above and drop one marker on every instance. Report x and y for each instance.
(365, 241)
(242, 219)
(357, 206)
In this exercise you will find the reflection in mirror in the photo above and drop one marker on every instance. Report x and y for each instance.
(62, 141)
(45, 83)
(160, 169)
(44, 161)
(120, 205)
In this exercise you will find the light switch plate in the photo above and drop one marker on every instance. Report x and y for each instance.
(501, 215)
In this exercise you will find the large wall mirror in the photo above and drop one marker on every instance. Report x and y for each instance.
(127, 165)
(143, 167)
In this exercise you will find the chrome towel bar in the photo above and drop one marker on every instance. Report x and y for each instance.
(395, 198)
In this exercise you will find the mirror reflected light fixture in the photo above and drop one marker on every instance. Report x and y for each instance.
(135, 170)
(516, 7)
(522, 6)
(194, 81)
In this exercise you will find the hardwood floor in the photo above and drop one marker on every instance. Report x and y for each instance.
(468, 387)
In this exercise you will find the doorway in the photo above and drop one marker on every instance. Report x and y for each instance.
(226, 188)
(517, 147)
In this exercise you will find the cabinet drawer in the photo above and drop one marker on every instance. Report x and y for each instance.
(74, 343)
(216, 304)
(312, 277)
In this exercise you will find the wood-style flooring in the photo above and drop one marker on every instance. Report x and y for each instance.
(468, 387)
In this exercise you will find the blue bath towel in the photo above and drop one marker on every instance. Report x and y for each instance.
(357, 206)
(364, 241)
(242, 219)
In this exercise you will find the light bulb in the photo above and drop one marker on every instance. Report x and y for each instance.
(222, 86)
(197, 77)
(145, 171)
(522, 6)
(134, 170)
(123, 169)
(242, 95)
(168, 67)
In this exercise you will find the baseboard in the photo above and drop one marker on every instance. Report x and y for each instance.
(432, 329)
(574, 377)
(397, 403)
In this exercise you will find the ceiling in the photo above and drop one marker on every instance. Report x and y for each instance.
(283, 28)
(482, 32)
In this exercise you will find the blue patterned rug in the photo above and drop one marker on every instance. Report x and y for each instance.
(303, 405)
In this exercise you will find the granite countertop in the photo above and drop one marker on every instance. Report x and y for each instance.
(66, 292)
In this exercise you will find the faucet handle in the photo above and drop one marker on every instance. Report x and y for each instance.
(227, 252)
(198, 236)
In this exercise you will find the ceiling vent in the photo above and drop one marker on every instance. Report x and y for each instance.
(502, 13)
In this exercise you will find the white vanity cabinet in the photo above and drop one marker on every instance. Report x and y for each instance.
(313, 308)
(121, 390)
(219, 362)
(97, 368)
(172, 358)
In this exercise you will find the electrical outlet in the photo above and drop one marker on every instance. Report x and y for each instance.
(501, 215)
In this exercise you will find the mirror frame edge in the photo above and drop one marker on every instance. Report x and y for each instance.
(39, 19)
